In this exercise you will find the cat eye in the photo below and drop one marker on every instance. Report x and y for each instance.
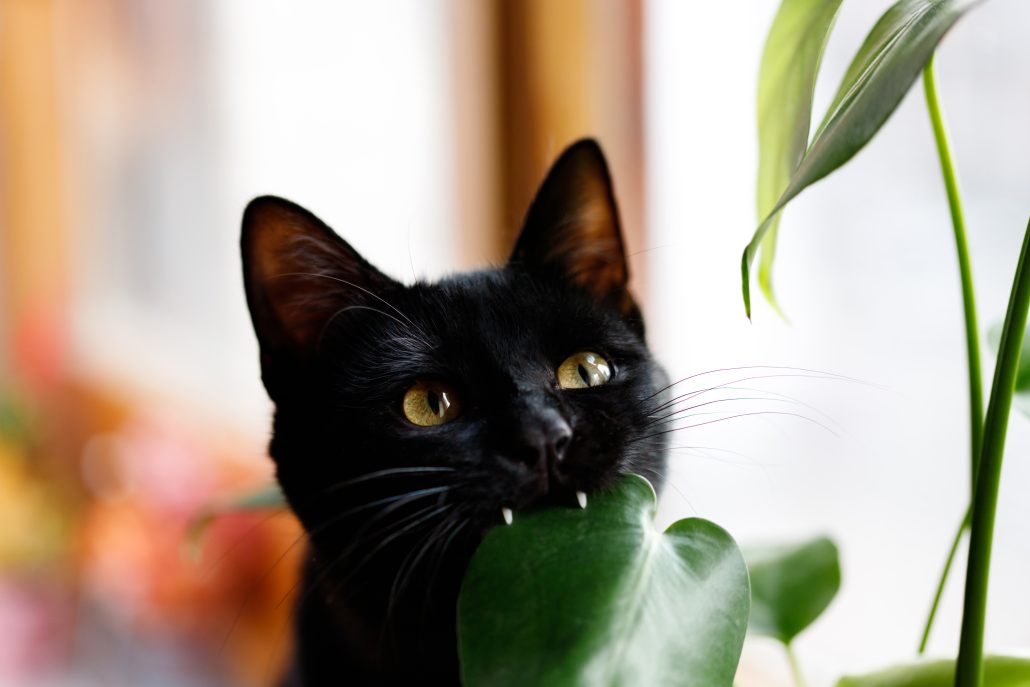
(582, 370)
(428, 404)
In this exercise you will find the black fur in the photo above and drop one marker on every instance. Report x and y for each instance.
(388, 546)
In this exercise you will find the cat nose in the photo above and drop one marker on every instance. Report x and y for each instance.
(545, 439)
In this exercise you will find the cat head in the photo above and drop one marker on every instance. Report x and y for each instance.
(438, 405)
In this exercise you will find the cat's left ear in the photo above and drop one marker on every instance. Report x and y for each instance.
(572, 229)
(298, 275)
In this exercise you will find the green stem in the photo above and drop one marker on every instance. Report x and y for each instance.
(969, 668)
(795, 667)
(940, 585)
(976, 412)
(976, 402)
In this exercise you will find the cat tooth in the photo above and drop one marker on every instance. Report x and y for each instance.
(506, 514)
(581, 496)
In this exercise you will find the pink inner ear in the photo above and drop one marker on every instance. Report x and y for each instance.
(299, 275)
(300, 292)
(296, 266)
(590, 250)
(572, 227)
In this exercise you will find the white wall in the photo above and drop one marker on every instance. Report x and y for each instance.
(867, 275)
(342, 107)
(345, 109)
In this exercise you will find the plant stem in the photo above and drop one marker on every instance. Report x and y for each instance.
(940, 585)
(969, 668)
(795, 667)
(976, 412)
(958, 223)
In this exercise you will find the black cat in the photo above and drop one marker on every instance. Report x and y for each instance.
(410, 419)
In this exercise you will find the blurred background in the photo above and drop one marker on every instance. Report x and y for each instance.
(133, 132)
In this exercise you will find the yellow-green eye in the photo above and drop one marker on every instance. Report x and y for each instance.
(428, 404)
(583, 369)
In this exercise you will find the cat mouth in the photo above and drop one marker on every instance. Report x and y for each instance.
(562, 498)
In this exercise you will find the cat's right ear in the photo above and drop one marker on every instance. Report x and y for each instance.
(297, 274)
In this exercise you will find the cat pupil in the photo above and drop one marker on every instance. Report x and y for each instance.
(434, 402)
(584, 374)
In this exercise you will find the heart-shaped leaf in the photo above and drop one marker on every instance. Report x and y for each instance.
(1022, 395)
(791, 586)
(999, 671)
(786, 84)
(599, 597)
(890, 59)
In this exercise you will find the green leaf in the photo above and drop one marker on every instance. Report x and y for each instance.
(1001, 671)
(599, 597)
(786, 84)
(1022, 395)
(890, 59)
(969, 671)
(16, 418)
(791, 586)
(268, 497)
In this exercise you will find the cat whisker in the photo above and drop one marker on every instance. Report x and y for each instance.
(254, 587)
(691, 394)
(736, 416)
(665, 480)
(348, 308)
(422, 517)
(672, 415)
(760, 367)
(389, 472)
(359, 288)
(407, 498)
(752, 389)
(826, 416)
(438, 558)
(214, 565)
(324, 573)
(695, 453)
(393, 502)
(414, 557)
(710, 448)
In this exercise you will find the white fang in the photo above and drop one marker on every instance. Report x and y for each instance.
(582, 498)
(506, 513)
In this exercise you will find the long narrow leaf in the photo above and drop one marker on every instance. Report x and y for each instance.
(786, 84)
(1001, 671)
(889, 61)
(969, 668)
(1022, 397)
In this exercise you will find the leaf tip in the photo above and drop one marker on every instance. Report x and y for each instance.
(770, 298)
(745, 283)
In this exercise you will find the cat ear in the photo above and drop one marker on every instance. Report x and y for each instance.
(572, 228)
(298, 274)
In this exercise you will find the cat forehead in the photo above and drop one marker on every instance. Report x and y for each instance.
(505, 301)
(491, 322)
